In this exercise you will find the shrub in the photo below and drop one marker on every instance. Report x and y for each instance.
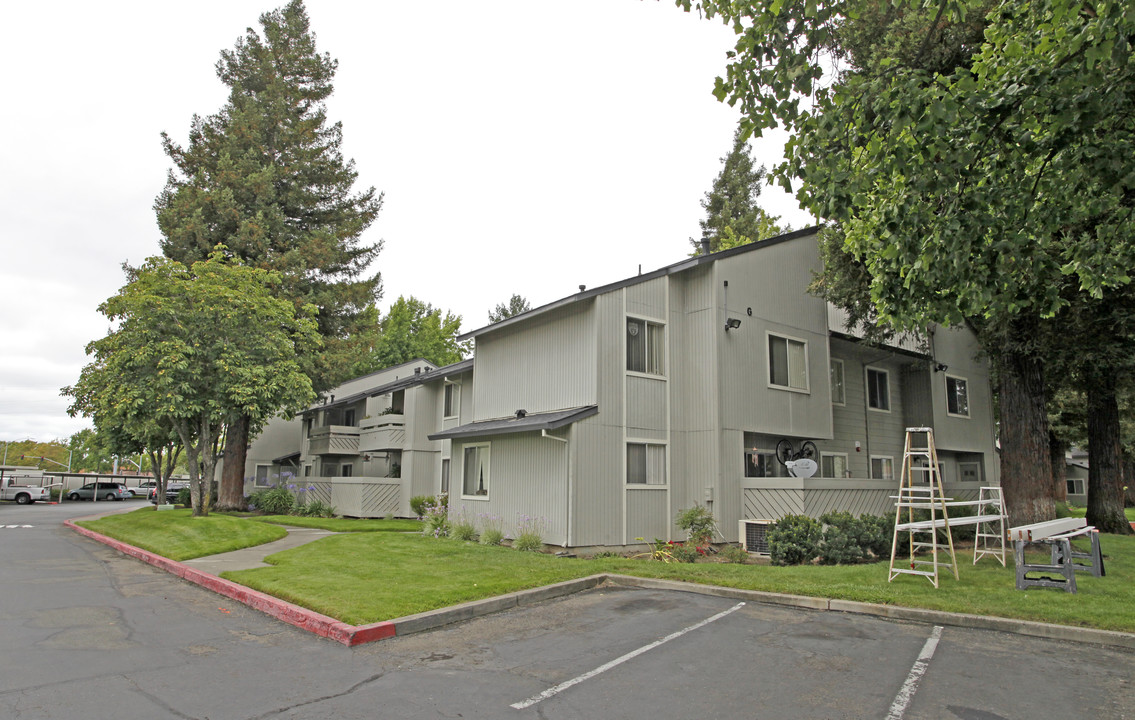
(793, 540)
(529, 534)
(842, 539)
(436, 521)
(492, 532)
(684, 552)
(733, 554)
(276, 501)
(878, 531)
(698, 523)
(316, 508)
(462, 528)
(418, 504)
(184, 497)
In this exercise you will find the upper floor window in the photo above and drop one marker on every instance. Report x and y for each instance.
(787, 362)
(878, 389)
(957, 396)
(645, 347)
(452, 400)
(349, 417)
(839, 393)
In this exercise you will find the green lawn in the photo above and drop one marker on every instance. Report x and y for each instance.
(1078, 511)
(177, 535)
(378, 571)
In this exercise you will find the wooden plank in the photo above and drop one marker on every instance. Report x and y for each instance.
(1048, 528)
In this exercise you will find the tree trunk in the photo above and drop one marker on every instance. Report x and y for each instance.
(1026, 470)
(1128, 478)
(1105, 477)
(230, 496)
(1057, 450)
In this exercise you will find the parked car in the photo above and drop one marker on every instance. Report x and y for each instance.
(173, 489)
(105, 491)
(142, 489)
(23, 494)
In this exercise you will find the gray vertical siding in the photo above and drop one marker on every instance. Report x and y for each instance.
(647, 408)
(597, 482)
(538, 366)
(771, 284)
(958, 350)
(695, 458)
(527, 478)
(647, 515)
(647, 298)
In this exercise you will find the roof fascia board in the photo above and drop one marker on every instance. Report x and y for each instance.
(677, 267)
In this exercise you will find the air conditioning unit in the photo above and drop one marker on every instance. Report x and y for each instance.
(754, 535)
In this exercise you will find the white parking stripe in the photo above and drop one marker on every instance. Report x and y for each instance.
(906, 692)
(620, 660)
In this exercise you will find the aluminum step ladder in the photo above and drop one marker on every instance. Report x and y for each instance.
(990, 537)
(920, 488)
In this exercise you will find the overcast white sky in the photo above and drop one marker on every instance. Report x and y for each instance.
(523, 146)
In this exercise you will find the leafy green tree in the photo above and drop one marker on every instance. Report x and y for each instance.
(266, 177)
(196, 347)
(122, 429)
(90, 451)
(733, 216)
(32, 453)
(1090, 355)
(516, 305)
(977, 158)
(414, 329)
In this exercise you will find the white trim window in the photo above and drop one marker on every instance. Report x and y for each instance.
(878, 389)
(347, 470)
(969, 471)
(445, 476)
(957, 396)
(262, 473)
(645, 347)
(787, 362)
(839, 388)
(1075, 485)
(882, 467)
(646, 464)
(451, 402)
(833, 465)
(475, 471)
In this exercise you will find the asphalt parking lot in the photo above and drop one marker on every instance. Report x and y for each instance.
(91, 633)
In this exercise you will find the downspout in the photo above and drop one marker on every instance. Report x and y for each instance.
(567, 485)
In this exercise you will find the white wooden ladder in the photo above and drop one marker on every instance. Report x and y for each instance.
(920, 488)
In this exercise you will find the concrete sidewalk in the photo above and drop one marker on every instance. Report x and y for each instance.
(253, 557)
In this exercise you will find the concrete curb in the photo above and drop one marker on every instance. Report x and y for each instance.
(351, 635)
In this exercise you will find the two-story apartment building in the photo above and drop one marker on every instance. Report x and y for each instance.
(608, 411)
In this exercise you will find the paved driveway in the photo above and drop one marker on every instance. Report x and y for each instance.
(88, 633)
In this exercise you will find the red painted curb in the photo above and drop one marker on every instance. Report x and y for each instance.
(300, 617)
